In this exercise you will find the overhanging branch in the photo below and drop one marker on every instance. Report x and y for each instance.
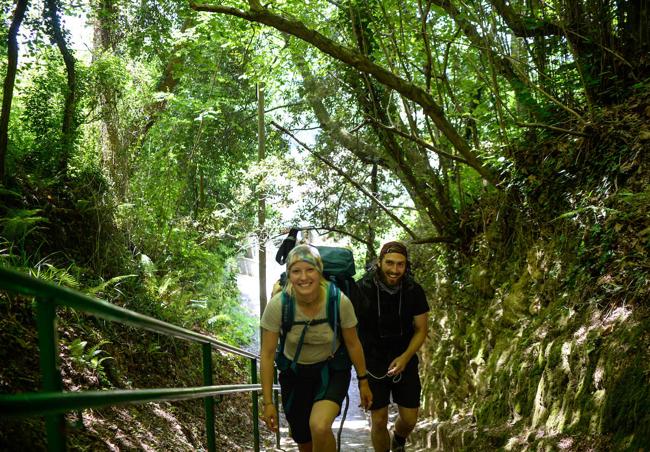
(258, 13)
(536, 125)
(419, 141)
(342, 173)
(431, 240)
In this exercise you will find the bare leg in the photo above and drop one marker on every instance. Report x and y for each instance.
(320, 424)
(406, 420)
(304, 447)
(379, 430)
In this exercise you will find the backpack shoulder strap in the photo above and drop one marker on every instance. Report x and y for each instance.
(288, 313)
(287, 318)
(334, 312)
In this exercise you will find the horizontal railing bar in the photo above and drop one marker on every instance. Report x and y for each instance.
(26, 285)
(46, 403)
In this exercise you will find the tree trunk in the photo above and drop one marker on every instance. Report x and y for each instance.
(371, 254)
(611, 53)
(10, 79)
(166, 84)
(634, 23)
(69, 125)
(261, 202)
(115, 159)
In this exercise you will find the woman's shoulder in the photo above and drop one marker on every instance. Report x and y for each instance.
(345, 299)
(275, 302)
(272, 315)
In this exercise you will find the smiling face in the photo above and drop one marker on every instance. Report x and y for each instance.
(305, 280)
(393, 267)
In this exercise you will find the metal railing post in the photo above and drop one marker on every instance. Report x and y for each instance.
(208, 402)
(256, 425)
(48, 357)
(277, 407)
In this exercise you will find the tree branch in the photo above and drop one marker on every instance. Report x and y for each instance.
(360, 62)
(431, 240)
(68, 127)
(484, 43)
(532, 27)
(418, 140)
(278, 107)
(412, 168)
(344, 232)
(554, 128)
(342, 173)
(9, 82)
(335, 229)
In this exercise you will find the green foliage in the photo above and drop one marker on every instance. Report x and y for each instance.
(17, 224)
(180, 264)
(151, 24)
(115, 281)
(89, 358)
(62, 276)
(626, 416)
(329, 200)
(206, 275)
(108, 75)
(171, 99)
(38, 144)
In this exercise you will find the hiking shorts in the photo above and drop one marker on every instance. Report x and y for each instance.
(299, 392)
(405, 391)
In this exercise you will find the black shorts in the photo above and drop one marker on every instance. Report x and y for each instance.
(405, 389)
(299, 392)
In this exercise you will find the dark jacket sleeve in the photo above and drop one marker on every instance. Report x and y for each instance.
(420, 304)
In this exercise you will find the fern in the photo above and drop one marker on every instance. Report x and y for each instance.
(113, 281)
(51, 273)
(90, 357)
(6, 192)
(19, 223)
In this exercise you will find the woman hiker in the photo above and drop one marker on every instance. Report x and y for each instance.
(313, 358)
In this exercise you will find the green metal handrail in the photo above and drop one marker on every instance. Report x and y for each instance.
(52, 402)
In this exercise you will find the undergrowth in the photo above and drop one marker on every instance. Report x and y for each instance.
(66, 234)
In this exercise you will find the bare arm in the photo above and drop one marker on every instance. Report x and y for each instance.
(355, 350)
(267, 356)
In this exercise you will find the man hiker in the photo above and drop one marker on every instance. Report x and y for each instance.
(392, 328)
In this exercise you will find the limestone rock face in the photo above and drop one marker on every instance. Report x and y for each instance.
(546, 347)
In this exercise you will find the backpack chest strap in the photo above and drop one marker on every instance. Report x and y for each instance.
(307, 324)
(311, 322)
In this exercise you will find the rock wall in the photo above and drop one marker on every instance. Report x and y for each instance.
(540, 328)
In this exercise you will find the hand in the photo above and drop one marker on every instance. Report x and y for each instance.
(397, 366)
(270, 417)
(365, 394)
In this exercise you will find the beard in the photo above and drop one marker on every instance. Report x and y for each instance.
(396, 277)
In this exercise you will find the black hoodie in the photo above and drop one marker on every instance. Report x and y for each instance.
(387, 336)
